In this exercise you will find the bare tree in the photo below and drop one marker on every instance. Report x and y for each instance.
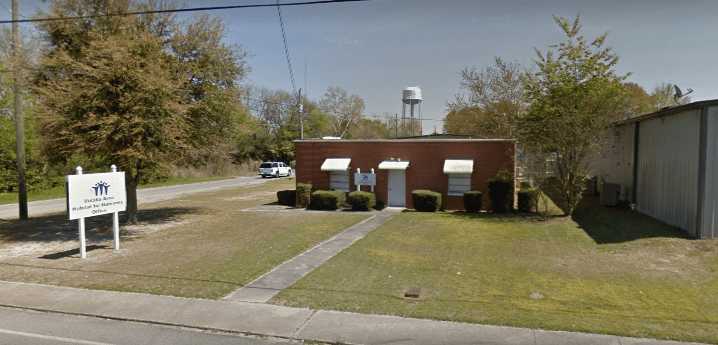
(492, 98)
(346, 110)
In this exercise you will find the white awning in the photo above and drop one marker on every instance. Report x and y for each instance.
(394, 165)
(458, 166)
(336, 164)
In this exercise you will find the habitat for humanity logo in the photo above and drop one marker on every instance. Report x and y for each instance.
(101, 188)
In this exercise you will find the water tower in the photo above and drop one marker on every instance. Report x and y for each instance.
(411, 96)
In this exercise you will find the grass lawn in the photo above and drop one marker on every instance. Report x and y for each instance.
(203, 245)
(606, 271)
(59, 191)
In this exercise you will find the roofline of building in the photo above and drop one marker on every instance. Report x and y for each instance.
(669, 111)
(399, 140)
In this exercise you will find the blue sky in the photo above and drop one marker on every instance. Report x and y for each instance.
(376, 48)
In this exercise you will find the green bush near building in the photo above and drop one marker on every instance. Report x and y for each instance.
(473, 201)
(287, 197)
(303, 195)
(361, 201)
(426, 200)
(528, 200)
(327, 200)
(501, 192)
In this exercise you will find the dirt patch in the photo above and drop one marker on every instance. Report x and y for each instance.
(250, 196)
(68, 238)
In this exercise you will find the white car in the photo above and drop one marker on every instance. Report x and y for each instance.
(274, 169)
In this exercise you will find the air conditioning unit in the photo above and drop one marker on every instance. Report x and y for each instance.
(610, 194)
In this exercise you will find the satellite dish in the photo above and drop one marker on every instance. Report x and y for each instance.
(679, 94)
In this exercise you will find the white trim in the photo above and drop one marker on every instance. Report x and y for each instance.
(458, 166)
(393, 165)
(336, 164)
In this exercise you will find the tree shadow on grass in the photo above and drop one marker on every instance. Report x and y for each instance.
(57, 227)
(607, 225)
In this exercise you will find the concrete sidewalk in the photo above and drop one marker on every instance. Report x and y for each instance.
(285, 275)
(285, 322)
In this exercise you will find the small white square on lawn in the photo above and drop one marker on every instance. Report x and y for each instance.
(95, 194)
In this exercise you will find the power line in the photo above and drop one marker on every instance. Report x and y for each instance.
(286, 49)
(178, 10)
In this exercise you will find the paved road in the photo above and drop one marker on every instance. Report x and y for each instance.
(23, 327)
(145, 195)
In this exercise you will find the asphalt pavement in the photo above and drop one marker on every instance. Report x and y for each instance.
(145, 195)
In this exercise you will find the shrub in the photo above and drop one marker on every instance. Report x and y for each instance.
(528, 200)
(361, 201)
(501, 192)
(426, 200)
(473, 201)
(327, 200)
(303, 193)
(287, 197)
(380, 205)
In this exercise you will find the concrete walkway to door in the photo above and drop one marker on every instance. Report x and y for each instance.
(285, 275)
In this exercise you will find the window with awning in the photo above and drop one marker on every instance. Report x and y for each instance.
(338, 169)
(458, 166)
(459, 171)
(336, 164)
(393, 165)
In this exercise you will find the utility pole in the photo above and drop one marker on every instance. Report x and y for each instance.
(19, 121)
(301, 115)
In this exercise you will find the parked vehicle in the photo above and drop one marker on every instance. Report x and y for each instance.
(274, 169)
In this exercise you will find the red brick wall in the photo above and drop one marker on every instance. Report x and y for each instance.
(426, 159)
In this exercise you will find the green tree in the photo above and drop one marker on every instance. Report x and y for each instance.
(210, 72)
(575, 94)
(143, 92)
(367, 128)
(638, 100)
(115, 103)
(36, 168)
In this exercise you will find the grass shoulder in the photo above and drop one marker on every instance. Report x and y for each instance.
(59, 191)
(629, 276)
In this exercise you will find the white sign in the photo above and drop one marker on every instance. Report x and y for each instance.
(95, 194)
(365, 179)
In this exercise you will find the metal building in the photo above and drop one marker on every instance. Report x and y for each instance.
(667, 164)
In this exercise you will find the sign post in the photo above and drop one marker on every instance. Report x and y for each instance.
(364, 179)
(81, 226)
(115, 220)
(91, 195)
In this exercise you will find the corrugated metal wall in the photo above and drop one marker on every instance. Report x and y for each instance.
(710, 204)
(668, 160)
(615, 162)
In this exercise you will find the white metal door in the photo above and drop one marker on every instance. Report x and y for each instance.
(397, 188)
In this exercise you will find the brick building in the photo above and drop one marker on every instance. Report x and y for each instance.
(448, 166)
